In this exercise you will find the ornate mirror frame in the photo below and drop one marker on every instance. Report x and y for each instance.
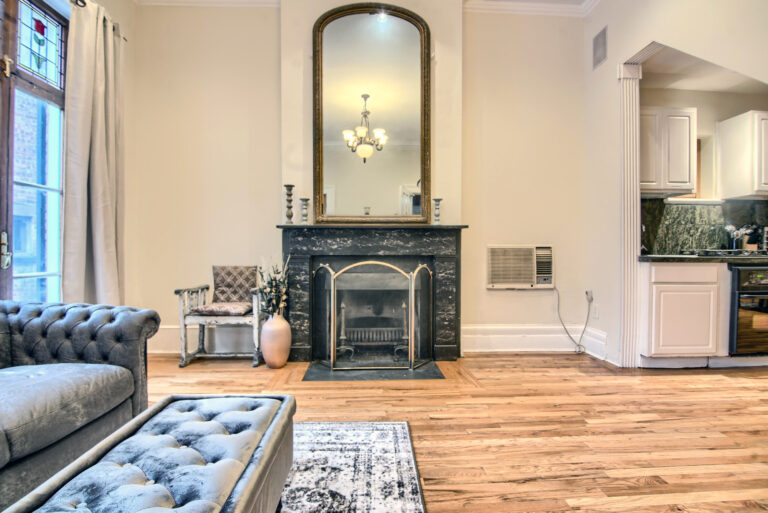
(317, 46)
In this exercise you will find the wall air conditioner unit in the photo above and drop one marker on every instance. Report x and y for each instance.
(520, 267)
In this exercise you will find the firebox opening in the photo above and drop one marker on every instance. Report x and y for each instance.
(373, 314)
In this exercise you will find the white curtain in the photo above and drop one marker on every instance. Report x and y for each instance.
(94, 157)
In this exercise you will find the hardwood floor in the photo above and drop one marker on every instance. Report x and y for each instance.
(544, 432)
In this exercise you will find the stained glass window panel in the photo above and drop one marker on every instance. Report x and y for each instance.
(41, 45)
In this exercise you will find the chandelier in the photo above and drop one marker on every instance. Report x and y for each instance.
(360, 141)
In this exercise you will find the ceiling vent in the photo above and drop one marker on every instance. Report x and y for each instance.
(520, 267)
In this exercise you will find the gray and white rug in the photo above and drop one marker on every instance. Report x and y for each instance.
(353, 467)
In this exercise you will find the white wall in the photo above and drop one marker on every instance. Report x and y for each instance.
(523, 161)
(220, 115)
(203, 183)
(713, 30)
(444, 18)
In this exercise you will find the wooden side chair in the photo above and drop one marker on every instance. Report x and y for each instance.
(235, 303)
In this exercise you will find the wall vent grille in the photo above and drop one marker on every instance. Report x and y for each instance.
(520, 267)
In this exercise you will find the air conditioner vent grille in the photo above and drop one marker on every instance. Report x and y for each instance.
(511, 265)
(520, 267)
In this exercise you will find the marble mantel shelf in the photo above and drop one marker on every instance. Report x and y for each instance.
(373, 226)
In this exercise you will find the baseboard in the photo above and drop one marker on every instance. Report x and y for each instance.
(483, 338)
(713, 362)
(724, 362)
(475, 338)
(221, 339)
(693, 362)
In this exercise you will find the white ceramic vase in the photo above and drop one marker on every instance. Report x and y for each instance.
(276, 341)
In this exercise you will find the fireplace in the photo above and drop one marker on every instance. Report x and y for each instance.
(372, 314)
(379, 319)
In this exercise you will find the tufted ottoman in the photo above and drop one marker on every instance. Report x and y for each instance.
(189, 454)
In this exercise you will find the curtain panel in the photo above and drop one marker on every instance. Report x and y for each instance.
(94, 157)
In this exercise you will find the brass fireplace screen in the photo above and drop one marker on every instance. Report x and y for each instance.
(379, 316)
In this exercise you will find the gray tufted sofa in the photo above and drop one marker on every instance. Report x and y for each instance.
(70, 375)
(188, 454)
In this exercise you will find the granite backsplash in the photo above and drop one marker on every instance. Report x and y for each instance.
(670, 229)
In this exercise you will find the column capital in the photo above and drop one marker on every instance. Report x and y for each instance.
(629, 71)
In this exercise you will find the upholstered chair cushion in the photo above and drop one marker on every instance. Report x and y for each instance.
(238, 308)
(48, 402)
(233, 283)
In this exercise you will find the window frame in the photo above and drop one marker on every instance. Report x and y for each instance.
(32, 85)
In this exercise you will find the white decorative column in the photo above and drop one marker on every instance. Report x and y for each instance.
(630, 74)
(629, 83)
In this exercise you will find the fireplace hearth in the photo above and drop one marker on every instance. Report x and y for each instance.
(380, 319)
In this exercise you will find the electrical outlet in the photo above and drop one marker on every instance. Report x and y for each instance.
(595, 311)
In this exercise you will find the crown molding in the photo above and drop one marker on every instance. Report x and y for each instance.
(209, 3)
(532, 8)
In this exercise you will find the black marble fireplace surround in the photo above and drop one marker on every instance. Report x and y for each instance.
(308, 245)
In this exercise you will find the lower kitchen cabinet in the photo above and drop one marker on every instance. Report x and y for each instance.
(684, 319)
(684, 309)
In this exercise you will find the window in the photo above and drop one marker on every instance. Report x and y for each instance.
(40, 45)
(35, 128)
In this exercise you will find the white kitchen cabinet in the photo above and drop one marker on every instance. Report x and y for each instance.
(685, 310)
(684, 319)
(743, 155)
(667, 151)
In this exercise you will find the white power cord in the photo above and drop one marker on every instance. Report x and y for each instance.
(578, 344)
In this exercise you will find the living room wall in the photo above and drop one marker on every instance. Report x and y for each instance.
(206, 153)
(203, 175)
(523, 163)
(205, 165)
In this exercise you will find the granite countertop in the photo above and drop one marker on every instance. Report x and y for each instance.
(704, 259)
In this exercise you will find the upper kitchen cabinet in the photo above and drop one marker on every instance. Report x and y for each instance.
(743, 155)
(667, 151)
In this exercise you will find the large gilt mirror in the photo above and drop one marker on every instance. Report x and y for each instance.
(371, 116)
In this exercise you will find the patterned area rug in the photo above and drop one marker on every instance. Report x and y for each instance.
(353, 467)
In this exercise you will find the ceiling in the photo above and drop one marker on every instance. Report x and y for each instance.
(673, 69)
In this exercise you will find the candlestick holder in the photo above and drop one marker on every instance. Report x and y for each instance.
(288, 203)
(436, 219)
(304, 210)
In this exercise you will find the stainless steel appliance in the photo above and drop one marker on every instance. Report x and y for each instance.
(749, 310)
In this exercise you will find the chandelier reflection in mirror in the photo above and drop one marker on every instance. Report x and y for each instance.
(360, 141)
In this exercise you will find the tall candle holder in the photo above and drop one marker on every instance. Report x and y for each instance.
(304, 210)
(288, 203)
(437, 210)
